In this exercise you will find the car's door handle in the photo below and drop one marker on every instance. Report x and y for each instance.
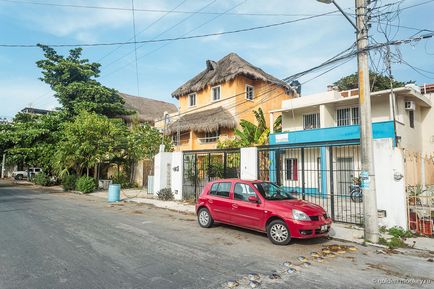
(210, 201)
(234, 206)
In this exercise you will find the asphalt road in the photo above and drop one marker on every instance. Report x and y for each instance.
(62, 240)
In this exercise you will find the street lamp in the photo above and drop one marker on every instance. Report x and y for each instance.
(166, 117)
(366, 144)
(341, 10)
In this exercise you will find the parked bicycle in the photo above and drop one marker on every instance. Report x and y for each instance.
(356, 193)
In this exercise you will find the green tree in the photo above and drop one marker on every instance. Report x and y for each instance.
(251, 134)
(73, 81)
(379, 81)
(31, 139)
(143, 143)
(88, 140)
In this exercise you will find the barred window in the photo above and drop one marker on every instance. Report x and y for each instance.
(192, 99)
(311, 121)
(249, 92)
(215, 92)
(291, 169)
(347, 116)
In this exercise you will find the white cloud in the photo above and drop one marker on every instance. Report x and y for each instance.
(87, 24)
(14, 96)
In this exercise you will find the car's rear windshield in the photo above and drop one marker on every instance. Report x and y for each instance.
(271, 191)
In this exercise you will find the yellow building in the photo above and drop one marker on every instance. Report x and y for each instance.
(212, 103)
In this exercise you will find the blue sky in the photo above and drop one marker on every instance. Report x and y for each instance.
(281, 51)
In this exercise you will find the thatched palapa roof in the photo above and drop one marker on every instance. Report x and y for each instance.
(224, 70)
(147, 109)
(203, 121)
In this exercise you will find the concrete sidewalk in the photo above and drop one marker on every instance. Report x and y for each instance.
(339, 231)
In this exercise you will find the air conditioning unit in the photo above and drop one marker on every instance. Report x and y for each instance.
(410, 105)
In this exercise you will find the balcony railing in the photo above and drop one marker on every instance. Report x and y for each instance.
(206, 140)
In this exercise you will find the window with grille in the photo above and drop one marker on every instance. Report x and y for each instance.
(211, 137)
(192, 99)
(215, 92)
(311, 121)
(292, 169)
(347, 116)
(249, 92)
(411, 118)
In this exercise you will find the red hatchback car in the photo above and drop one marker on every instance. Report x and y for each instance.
(261, 206)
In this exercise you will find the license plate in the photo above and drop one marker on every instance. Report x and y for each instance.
(323, 228)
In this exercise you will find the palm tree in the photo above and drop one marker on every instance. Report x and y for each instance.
(253, 135)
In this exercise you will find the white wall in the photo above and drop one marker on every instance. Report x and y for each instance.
(411, 138)
(249, 163)
(327, 114)
(389, 162)
(177, 175)
(427, 118)
(162, 168)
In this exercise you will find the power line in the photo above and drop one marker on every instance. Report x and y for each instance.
(157, 10)
(135, 47)
(339, 57)
(146, 28)
(170, 39)
(165, 31)
(167, 43)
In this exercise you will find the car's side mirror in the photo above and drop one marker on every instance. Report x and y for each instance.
(253, 199)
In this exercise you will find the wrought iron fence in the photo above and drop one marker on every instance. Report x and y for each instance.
(420, 204)
(201, 167)
(327, 175)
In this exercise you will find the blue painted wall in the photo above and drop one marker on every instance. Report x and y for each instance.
(383, 129)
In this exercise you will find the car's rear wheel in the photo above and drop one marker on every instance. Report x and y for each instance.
(204, 218)
(278, 233)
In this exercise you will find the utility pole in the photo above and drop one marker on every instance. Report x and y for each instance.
(366, 143)
(162, 146)
(3, 166)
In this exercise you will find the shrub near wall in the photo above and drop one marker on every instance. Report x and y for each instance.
(85, 184)
(68, 182)
(165, 194)
(41, 179)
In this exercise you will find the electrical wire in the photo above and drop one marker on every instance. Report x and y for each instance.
(135, 47)
(158, 10)
(167, 43)
(145, 29)
(169, 39)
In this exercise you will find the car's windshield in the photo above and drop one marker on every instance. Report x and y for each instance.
(271, 191)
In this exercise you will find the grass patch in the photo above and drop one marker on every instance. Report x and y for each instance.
(398, 237)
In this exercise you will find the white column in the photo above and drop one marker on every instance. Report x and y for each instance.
(271, 122)
(249, 163)
(391, 197)
(177, 174)
(162, 163)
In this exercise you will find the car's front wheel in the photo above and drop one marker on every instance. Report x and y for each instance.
(19, 177)
(204, 218)
(278, 233)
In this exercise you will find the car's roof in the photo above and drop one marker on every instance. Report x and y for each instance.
(236, 180)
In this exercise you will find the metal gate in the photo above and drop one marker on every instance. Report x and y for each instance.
(323, 174)
(201, 167)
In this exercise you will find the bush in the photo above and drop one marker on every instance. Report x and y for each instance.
(165, 194)
(41, 179)
(85, 184)
(400, 232)
(68, 182)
